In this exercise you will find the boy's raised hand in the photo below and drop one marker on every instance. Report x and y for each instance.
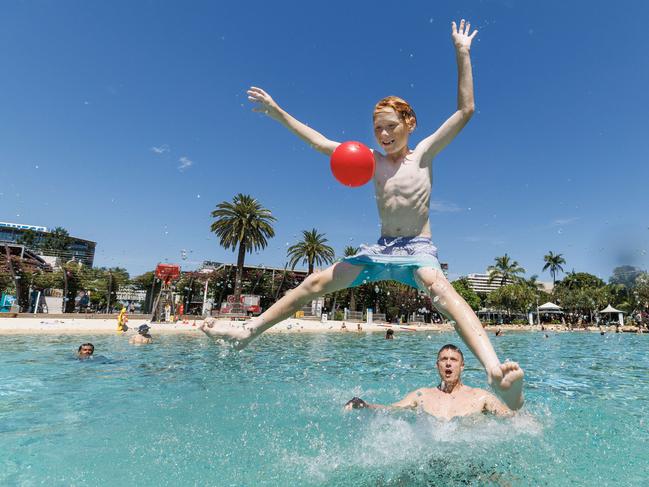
(461, 37)
(265, 103)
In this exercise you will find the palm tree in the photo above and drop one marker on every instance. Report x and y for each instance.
(243, 223)
(311, 250)
(506, 269)
(348, 252)
(553, 262)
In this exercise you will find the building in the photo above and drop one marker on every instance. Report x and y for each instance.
(480, 283)
(78, 249)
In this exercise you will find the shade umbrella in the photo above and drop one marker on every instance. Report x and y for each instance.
(611, 310)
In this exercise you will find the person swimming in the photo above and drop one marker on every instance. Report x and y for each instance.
(143, 337)
(450, 398)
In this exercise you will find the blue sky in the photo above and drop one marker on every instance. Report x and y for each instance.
(127, 122)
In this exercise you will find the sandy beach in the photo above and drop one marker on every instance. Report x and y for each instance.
(44, 324)
(79, 326)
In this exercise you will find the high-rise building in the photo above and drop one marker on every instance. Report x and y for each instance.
(77, 249)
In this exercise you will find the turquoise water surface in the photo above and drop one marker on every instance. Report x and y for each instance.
(186, 412)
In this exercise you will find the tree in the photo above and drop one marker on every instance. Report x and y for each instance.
(29, 239)
(516, 297)
(245, 224)
(463, 288)
(313, 249)
(505, 269)
(58, 241)
(553, 262)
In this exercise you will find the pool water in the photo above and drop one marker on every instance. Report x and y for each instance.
(186, 412)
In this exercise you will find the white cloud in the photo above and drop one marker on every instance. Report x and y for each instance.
(444, 207)
(160, 150)
(184, 163)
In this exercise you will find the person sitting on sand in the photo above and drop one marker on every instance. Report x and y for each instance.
(451, 397)
(389, 334)
(85, 351)
(143, 337)
(343, 326)
(405, 250)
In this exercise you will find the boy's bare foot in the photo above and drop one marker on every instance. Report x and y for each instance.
(507, 381)
(238, 337)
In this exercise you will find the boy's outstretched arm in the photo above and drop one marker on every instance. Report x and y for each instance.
(267, 105)
(433, 144)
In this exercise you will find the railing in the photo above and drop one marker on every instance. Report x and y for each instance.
(354, 316)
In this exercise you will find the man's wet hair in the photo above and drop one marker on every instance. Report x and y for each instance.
(450, 346)
(86, 345)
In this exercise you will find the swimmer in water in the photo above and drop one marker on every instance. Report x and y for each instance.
(405, 251)
(85, 351)
(451, 397)
(143, 337)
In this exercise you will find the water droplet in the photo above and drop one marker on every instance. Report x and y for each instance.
(559, 231)
(198, 195)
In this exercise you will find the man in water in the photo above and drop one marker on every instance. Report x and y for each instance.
(143, 337)
(405, 251)
(451, 397)
(85, 351)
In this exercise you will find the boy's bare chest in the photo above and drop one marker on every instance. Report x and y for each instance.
(403, 177)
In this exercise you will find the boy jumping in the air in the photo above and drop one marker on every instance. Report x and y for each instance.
(405, 251)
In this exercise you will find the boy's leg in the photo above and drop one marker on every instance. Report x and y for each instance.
(507, 378)
(339, 276)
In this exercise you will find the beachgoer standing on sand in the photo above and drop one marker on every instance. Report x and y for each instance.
(405, 251)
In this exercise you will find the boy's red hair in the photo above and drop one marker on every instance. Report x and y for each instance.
(401, 106)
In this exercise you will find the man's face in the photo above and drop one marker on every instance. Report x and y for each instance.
(390, 130)
(86, 351)
(450, 365)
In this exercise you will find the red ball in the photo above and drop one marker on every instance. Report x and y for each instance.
(352, 163)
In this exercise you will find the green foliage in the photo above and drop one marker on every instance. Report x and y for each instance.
(245, 224)
(505, 270)
(553, 262)
(313, 249)
(579, 280)
(350, 251)
(469, 295)
(29, 238)
(57, 239)
(517, 298)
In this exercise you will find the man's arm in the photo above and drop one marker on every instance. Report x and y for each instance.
(433, 144)
(409, 402)
(494, 406)
(268, 106)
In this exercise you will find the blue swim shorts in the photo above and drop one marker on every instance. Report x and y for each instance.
(395, 258)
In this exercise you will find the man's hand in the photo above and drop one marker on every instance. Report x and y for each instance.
(461, 37)
(355, 403)
(265, 103)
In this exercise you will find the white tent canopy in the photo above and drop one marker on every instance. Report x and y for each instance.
(611, 309)
(550, 307)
